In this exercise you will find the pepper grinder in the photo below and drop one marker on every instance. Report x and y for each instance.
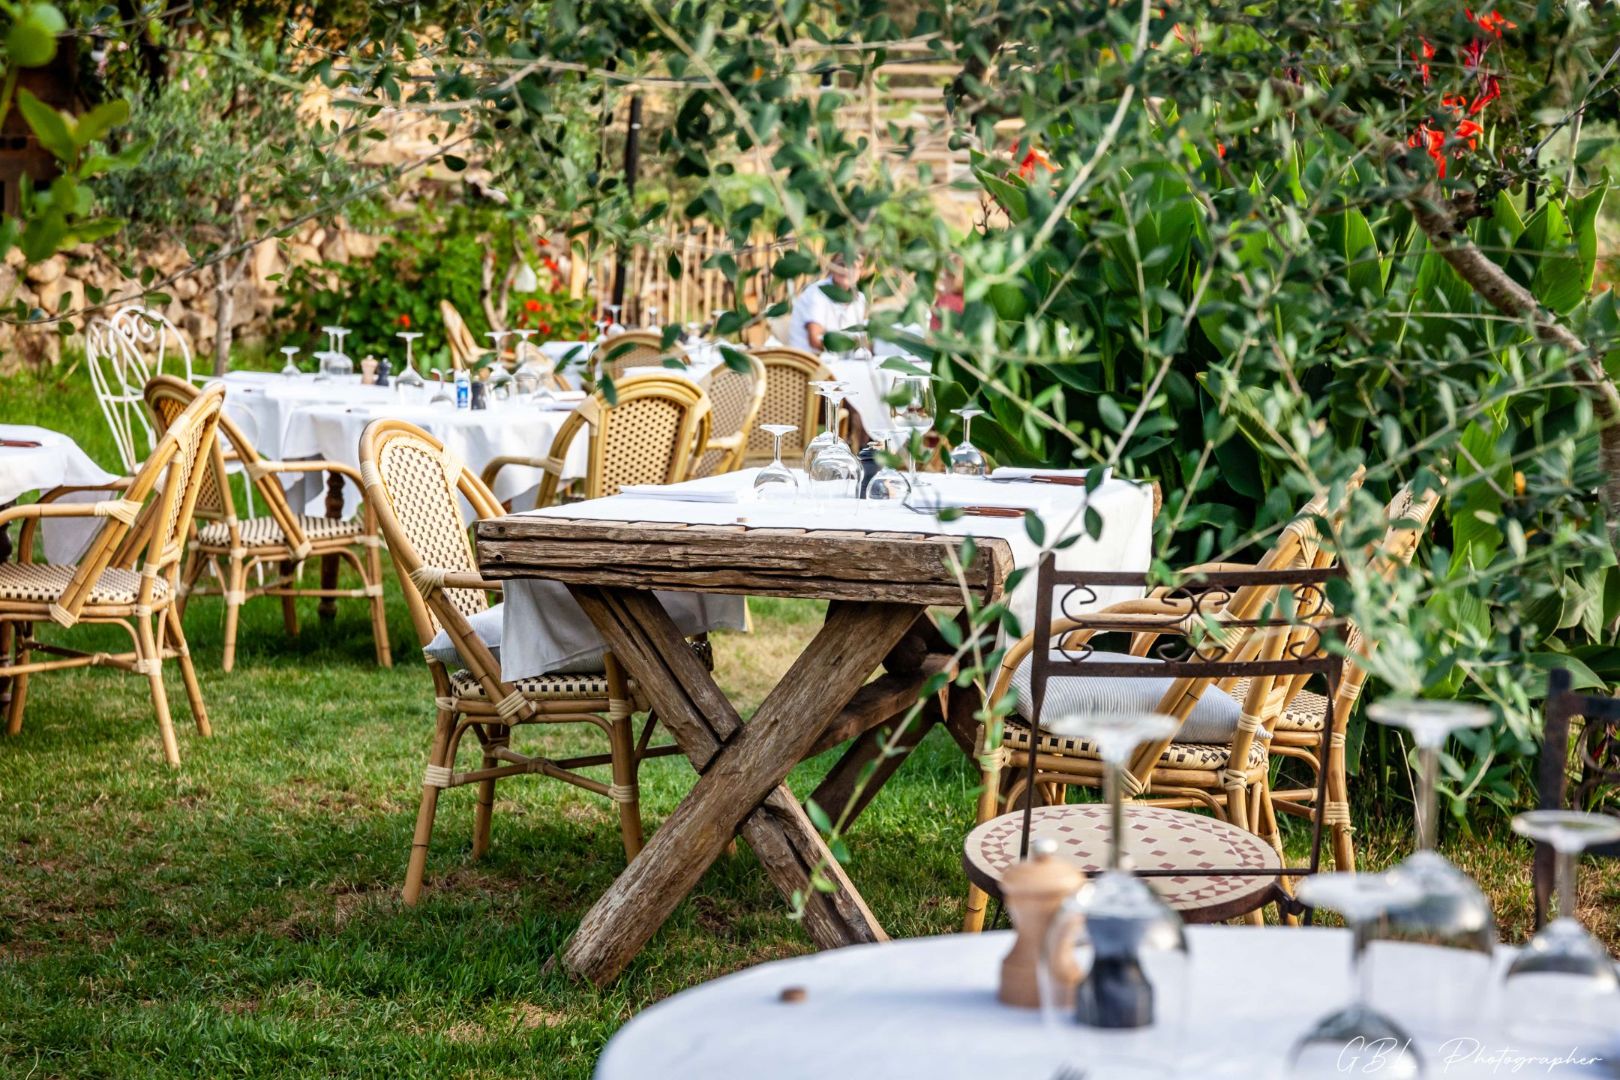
(1033, 890)
(368, 371)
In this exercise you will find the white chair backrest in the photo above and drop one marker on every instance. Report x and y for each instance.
(122, 353)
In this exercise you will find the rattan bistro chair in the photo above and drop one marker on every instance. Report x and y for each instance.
(789, 399)
(1297, 732)
(463, 347)
(1230, 776)
(737, 397)
(233, 546)
(647, 436)
(413, 483)
(635, 348)
(129, 575)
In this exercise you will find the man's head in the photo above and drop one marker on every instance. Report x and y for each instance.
(845, 270)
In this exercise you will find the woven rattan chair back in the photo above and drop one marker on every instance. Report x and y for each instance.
(463, 349)
(789, 399)
(737, 397)
(415, 486)
(122, 353)
(215, 502)
(635, 348)
(649, 435)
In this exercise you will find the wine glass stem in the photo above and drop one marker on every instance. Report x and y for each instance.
(1360, 974)
(832, 418)
(967, 426)
(1428, 823)
(778, 436)
(911, 458)
(1116, 812)
(1565, 874)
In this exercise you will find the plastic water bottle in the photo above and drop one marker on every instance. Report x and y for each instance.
(463, 389)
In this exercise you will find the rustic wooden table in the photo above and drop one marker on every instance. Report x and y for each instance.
(879, 587)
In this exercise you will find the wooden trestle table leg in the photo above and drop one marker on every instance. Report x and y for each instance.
(742, 768)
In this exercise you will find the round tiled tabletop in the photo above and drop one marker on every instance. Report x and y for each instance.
(1155, 839)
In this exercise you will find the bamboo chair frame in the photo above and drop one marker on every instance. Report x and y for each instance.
(1408, 516)
(413, 483)
(1578, 743)
(1236, 787)
(143, 539)
(789, 399)
(635, 348)
(463, 347)
(622, 451)
(737, 398)
(279, 540)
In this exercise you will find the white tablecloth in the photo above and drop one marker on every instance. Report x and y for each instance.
(58, 461)
(542, 626)
(926, 1008)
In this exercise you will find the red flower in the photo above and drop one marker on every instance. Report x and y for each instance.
(1467, 129)
(1456, 103)
(1474, 54)
(1490, 90)
(1026, 167)
(544, 328)
(1492, 24)
(1423, 57)
(1431, 141)
(405, 321)
(531, 305)
(1220, 150)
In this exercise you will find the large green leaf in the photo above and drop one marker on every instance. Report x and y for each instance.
(1559, 282)
(49, 126)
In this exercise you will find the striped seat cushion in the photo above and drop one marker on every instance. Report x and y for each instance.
(38, 583)
(1180, 755)
(264, 532)
(549, 687)
(1212, 720)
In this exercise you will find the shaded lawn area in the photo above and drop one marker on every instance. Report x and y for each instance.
(240, 916)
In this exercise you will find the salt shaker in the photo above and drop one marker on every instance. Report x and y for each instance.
(1033, 890)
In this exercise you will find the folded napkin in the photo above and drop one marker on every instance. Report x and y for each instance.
(680, 493)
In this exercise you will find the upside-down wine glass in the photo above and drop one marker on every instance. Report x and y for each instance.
(497, 338)
(523, 345)
(1450, 910)
(831, 391)
(776, 480)
(1562, 989)
(1127, 944)
(1358, 1028)
(888, 484)
(652, 317)
(409, 380)
(322, 366)
(966, 460)
(290, 368)
(911, 407)
(613, 311)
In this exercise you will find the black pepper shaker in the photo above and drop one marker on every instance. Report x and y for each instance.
(869, 467)
(384, 369)
(479, 394)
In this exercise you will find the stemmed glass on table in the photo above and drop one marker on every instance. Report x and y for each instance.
(290, 368)
(832, 394)
(652, 318)
(832, 469)
(911, 408)
(1562, 990)
(1450, 910)
(966, 460)
(888, 483)
(1127, 944)
(409, 379)
(776, 480)
(497, 339)
(1362, 899)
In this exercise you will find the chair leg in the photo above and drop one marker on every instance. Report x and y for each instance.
(289, 604)
(417, 867)
(989, 806)
(195, 564)
(188, 673)
(19, 683)
(622, 741)
(151, 665)
(1337, 811)
(379, 610)
(235, 585)
(498, 736)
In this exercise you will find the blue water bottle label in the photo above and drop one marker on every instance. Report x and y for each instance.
(463, 390)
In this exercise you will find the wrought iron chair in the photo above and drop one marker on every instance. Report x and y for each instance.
(1589, 754)
(648, 436)
(122, 353)
(1224, 769)
(280, 539)
(737, 398)
(634, 348)
(789, 399)
(129, 576)
(414, 485)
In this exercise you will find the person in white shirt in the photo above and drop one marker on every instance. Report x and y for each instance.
(815, 313)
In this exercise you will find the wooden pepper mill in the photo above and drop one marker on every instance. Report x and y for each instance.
(1033, 890)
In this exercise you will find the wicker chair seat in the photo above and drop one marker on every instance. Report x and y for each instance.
(1306, 712)
(572, 687)
(1177, 756)
(264, 532)
(39, 583)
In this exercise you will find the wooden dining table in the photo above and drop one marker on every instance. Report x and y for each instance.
(879, 588)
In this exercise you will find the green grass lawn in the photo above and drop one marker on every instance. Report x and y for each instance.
(240, 916)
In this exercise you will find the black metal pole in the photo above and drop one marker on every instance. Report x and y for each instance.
(632, 152)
